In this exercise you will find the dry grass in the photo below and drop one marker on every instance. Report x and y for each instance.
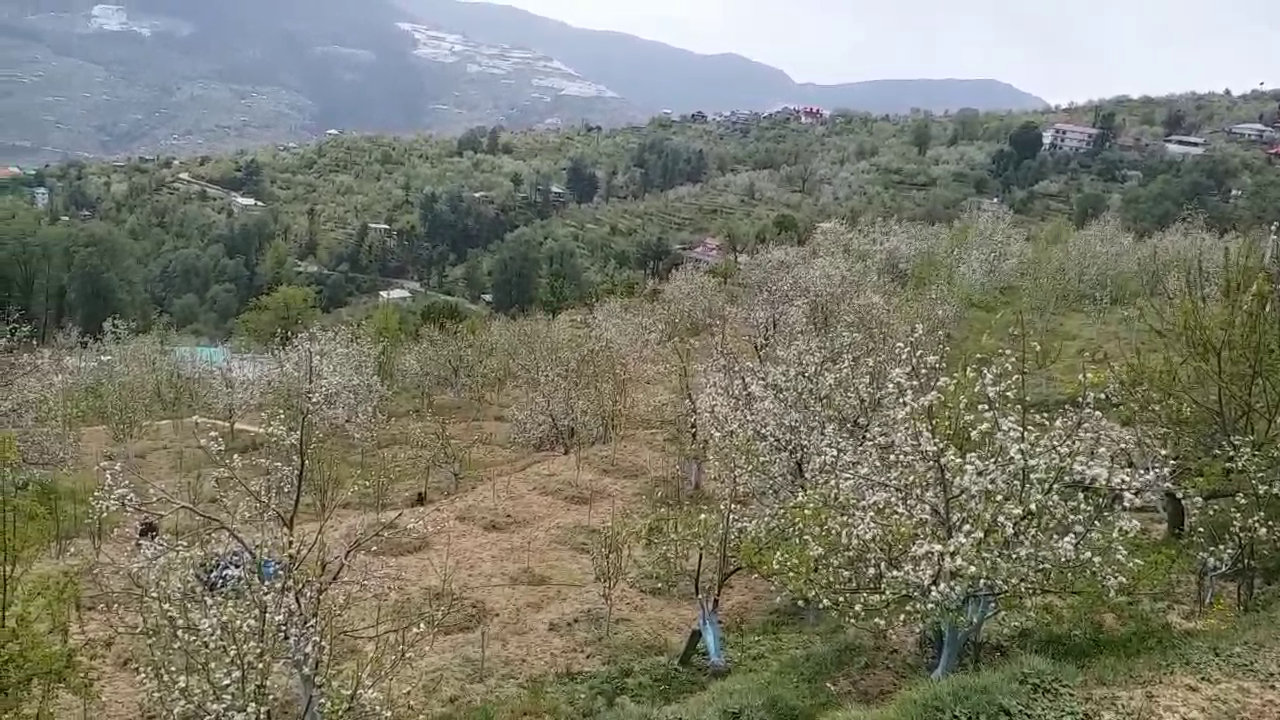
(1183, 697)
(514, 543)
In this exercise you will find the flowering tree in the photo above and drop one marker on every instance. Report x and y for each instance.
(462, 361)
(230, 391)
(443, 455)
(1208, 382)
(890, 488)
(692, 306)
(127, 381)
(564, 378)
(273, 600)
(621, 361)
(1235, 534)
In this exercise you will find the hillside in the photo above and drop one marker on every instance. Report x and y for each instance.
(551, 220)
(161, 76)
(516, 518)
(657, 76)
(983, 382)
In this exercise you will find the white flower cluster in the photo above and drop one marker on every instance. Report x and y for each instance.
(572, 385)
(253, 601)
(887, 487)
(1235, 532)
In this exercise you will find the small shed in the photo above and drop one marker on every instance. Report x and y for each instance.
(395, 295)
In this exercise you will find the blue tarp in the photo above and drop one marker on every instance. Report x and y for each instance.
(228, 569)
(203, 354)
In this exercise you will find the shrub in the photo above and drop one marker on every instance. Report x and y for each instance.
(1029, 689)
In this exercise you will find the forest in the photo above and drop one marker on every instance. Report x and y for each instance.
(551, 220)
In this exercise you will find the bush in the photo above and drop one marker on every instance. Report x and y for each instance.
(798, 687)
(1029, 689)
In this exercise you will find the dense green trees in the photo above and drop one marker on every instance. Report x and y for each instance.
(190, 264)
(141, 242)
(581, 180)
(279, 316)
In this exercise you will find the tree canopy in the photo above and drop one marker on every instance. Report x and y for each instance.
(567, 216)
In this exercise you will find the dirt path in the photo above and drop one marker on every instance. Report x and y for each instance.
(253, 429)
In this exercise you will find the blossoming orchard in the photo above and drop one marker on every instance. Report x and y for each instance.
(315, 529)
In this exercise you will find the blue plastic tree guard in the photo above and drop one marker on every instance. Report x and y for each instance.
(709, 624)
(229, 569)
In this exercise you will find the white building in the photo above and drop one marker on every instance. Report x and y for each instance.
(1252, 131)
(394, 295)
(240, 203)
(109, 17)
(381, 233)
(40, 197)
(1072, 138)
(1185, 145)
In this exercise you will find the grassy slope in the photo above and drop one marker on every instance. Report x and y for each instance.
(784, 670)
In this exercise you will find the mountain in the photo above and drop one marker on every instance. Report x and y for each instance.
(182, 76)
(657, 76)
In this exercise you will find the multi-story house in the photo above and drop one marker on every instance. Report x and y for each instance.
(1072, 138)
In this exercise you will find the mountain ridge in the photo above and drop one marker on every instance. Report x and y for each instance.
(175, 77)
(710, 90)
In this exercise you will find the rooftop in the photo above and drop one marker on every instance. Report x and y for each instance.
(201, 353)
(1069, 127)
(709, 250)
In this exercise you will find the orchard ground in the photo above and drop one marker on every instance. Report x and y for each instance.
(526, 638)
(503, 551)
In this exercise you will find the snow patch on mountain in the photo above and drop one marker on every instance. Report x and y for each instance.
(108, 18)
(116, 18)
(443, 47)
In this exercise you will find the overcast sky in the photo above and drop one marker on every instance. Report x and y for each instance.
(1061, 51)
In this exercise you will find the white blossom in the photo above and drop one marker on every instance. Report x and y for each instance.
(886, 487)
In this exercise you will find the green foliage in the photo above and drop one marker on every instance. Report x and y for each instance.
(514, 274)
(922, 135)
(280, 316)
(780, 672)
(1029, 689)
(141, 241)
(582, 180)
(38, 657)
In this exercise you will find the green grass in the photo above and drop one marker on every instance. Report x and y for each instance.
(1030, 688)
(1072, 664)
(780, 669)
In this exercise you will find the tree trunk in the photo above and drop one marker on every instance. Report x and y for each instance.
(694, 469)
(690, 647)
(308, 695)
(1175, 515)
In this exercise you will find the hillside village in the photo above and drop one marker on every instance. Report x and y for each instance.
(695, 237)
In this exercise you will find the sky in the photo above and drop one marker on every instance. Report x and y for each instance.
(1061, 51)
